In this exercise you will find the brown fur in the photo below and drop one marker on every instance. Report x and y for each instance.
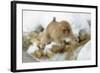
(57, 32)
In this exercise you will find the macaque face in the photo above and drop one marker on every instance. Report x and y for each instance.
(65, 28)
(65, 31)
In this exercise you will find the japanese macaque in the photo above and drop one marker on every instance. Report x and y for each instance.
(58, 32)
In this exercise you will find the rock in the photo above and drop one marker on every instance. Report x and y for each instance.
(83, 35)
(38, 54)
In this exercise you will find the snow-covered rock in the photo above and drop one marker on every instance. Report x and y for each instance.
(32, 48)
(48, 47)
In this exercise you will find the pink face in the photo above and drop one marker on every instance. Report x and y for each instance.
(65, 28)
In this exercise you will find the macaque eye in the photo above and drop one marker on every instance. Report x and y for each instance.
(64, 30)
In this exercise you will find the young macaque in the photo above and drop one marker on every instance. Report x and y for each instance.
(57, 32)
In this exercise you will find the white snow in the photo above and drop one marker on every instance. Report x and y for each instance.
(32, 19)
(49, 46)
(32, 48)
(85, 52)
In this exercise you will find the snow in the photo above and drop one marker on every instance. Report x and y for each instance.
(49, 46)
(85, 52)
(32, 48)
(33, 19)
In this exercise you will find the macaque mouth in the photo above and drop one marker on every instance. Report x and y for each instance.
(67, 40)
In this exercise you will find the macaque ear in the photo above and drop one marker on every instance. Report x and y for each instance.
(54, 19)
